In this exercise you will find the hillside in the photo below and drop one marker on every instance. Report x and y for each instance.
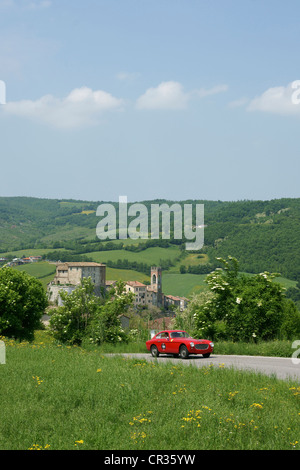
(262, 235)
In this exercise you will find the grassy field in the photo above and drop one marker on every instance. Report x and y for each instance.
(58, 397)
(42, 270)
(28, 252)
(173, 283)
(183, 284)
(191, 259)
(113, 274)
(149, 256)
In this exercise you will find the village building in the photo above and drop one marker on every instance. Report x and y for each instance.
(147, 295)
(175, 301)
(69, 276)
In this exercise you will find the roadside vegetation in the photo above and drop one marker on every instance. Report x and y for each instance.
(58, 397)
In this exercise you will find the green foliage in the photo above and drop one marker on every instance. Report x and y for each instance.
(290, 327)
(105, 326)
(85, 315)
(196, 314)
(243, 308)
(73, 399)
(69, 323)
(262, 235)
(22, 304)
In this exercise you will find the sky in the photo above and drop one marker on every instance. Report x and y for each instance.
(168, 99)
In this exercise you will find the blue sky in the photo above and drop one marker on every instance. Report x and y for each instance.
(188, 99)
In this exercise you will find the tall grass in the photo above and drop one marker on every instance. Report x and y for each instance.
(58, 397)
(275, 348)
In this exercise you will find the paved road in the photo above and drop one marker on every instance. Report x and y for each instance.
(283, 368)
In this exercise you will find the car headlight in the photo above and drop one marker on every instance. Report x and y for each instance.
(211, 344)
(192, 344)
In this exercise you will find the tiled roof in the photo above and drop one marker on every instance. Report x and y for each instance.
(81, 264)
(135, 284)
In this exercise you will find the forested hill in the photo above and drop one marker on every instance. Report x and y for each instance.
(262, 235)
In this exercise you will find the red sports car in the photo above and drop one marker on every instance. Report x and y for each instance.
(178, 342)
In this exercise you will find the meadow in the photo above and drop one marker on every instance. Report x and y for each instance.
(149, 256)
(42, 270)
(60, 397)
(173, 282)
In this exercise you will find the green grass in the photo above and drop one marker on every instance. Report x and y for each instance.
(113, 274)
(67, 398)
(187, 284)
(42, 270)
(275, 348)
(191, 259)
(39, 270)
(148, 256)
(183, 284)
(29, 252)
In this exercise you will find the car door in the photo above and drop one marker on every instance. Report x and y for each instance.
(163, 342)
(174, 343)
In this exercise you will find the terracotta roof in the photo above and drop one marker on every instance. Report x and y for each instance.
(135, 284)
(80, 264)
(62, 266)
(172, 297)
(175, 297)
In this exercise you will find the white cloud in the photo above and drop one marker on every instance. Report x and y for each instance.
(26, 4)
(82, 107)
(37, 5)
(167, 95)
(171, 95)
(278, 100)
(202, 93)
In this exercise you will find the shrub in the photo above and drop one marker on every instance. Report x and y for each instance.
(85, 315)
(22, 304)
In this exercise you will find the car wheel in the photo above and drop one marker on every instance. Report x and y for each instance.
(154, 351)
(206, 355)
(183, 352)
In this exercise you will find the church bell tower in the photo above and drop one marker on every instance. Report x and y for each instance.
(156, 283)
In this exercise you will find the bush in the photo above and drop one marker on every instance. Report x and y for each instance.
(243, 308)
(22, 304)
(85, 316)
(105, 326)
(69, 323)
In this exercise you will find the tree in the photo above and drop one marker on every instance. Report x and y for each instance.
(182, 269)
(22, 303)
(290, 328)
(196, 317)
(69, 323)
(85, 315)
(249, 307)
(106, 325)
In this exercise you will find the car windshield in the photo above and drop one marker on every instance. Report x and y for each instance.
(180, 334)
